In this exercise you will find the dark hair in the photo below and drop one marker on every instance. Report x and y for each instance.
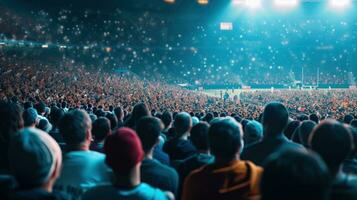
(118, 111)
(304, 131)
(29, 116)
(140, 110)
(314, 118)
(303, 117)
(101, 129)
(166, 118)
(295, 175)
(354, 123)
(149, 130)
(73, 126)
(40, 107)
(333, 142)
(347, 119)
(182, 123)
(209, 116)
(290, 129)
(225, 138)
(28, 104)
(10, 122)
(199, 136)
(44, 125)
(113, 120)
(275, 118)
(56, 115)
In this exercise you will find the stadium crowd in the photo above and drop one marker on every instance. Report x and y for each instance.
(73, 133)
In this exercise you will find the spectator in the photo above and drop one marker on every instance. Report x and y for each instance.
(10, 122)
(44, 125)
(350, 164)
(354, 123)
(36, 161)
(347, 119)
(253, 132)
(82, 168)
(228, 177)
(153, 172)
(180, 147)
(290, 129)
(199, 137)
(140, 110)
(315, 118)
(100, 130)
(55, 117)
(304, 132)
(275, 119)
(119, 113)
(124, 154)
(295, 175)
(325, 136)
(113, 121)
(30, 117)
(166, 118)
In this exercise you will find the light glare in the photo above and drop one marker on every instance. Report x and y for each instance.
(340, 3)
(286, 3)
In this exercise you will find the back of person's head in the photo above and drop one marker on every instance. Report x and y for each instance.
(195, 120)
(113, 120)
(354, 123)
(315, 118)
(93, 117)
(290, 128)
(56, 115)
(74, 126)
(209, 116)
(303, 117)
(295, 175)
(149, 130)
(275, 118)
(253, 132)
(347, 119)
(28, 104)
(118, 111)
(44, 125)
(36, 158)
(10, 120)
(140, 110)
(30, 117)
(40, 107)
(182, 123)
(166, 118)
(101, 129)
(333, 142)
(305, 130)
(225, 138)
(199, 136)
(123, 151)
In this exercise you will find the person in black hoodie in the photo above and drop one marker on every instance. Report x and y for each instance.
(333, 141)
(180, 147)
(275, 119)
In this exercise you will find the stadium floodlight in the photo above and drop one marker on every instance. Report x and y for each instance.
(169, 1)
(44, 46)
(340, 4)
(253, 4)
(202, 2)
(226, 26)
(286, 3)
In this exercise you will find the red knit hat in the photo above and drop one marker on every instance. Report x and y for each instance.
(123, 150)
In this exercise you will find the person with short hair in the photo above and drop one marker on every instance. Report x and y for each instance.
(275, 119)
(327, 135)
(253, 132)
(55, 117)
(119, 113)
(152, 171)
(30, 117)
(295, 175)
(124, 155)
(228, 177)
(36, 161)
(100, 130)
(140, 110)
(82, 168)
(304, 131)
(180, 147)
(10, 122)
